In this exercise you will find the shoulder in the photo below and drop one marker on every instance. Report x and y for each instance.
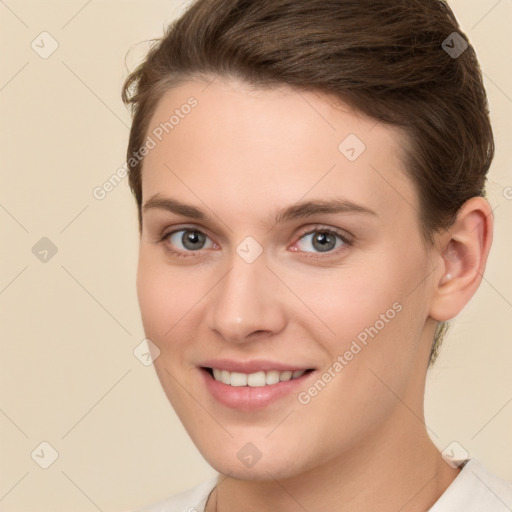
(476, 489)
(191, 500)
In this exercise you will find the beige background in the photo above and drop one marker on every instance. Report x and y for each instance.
(69, 325)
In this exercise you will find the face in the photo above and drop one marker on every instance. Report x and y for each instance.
(274, 244)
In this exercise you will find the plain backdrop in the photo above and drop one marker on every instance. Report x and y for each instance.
(68, 308)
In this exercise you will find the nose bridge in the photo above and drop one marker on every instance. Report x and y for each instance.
(245, 300)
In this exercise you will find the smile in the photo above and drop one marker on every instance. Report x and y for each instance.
(256, 379)
(256, 390)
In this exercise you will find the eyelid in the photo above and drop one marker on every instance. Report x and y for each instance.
(344, 235)
(305, 231)
(191, 227)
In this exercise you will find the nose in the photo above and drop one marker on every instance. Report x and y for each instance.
(245, 304)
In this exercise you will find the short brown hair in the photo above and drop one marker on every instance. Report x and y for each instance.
(388, 59)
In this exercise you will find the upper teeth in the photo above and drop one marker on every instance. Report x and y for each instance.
(255, 379)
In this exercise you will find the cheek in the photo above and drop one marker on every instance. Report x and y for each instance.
(165, 295)
(372, 350)
(377, 313)
(346, 301)
(366, 309)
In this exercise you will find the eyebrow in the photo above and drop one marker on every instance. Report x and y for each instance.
(295, 211)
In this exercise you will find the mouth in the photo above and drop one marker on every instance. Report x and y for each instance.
(255, 379)
(256, 390)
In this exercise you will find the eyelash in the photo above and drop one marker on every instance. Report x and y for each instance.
(347, 242)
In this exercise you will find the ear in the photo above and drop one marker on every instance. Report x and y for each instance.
(462, 256)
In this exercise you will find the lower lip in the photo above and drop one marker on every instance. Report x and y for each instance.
(247, 398)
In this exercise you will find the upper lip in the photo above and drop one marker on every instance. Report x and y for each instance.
(255, 365)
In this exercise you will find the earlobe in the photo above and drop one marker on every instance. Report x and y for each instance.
(462, 259)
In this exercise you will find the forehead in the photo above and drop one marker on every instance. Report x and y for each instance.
(271, 147)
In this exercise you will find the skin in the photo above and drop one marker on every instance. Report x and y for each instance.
(243, 154)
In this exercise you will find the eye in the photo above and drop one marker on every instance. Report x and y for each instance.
(188, 240)
(322, 240)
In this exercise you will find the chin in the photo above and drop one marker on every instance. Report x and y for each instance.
(264, 469)
(253, 457)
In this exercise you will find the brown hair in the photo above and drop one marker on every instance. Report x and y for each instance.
(389, 59)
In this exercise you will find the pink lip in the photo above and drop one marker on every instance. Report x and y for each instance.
(247, 398)
(255, 365)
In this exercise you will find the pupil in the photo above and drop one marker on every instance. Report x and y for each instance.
(324, 242)
(191, 239)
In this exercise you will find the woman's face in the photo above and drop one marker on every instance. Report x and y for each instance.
(280, 234)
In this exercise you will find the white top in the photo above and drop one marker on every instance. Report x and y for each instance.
(474, 490)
